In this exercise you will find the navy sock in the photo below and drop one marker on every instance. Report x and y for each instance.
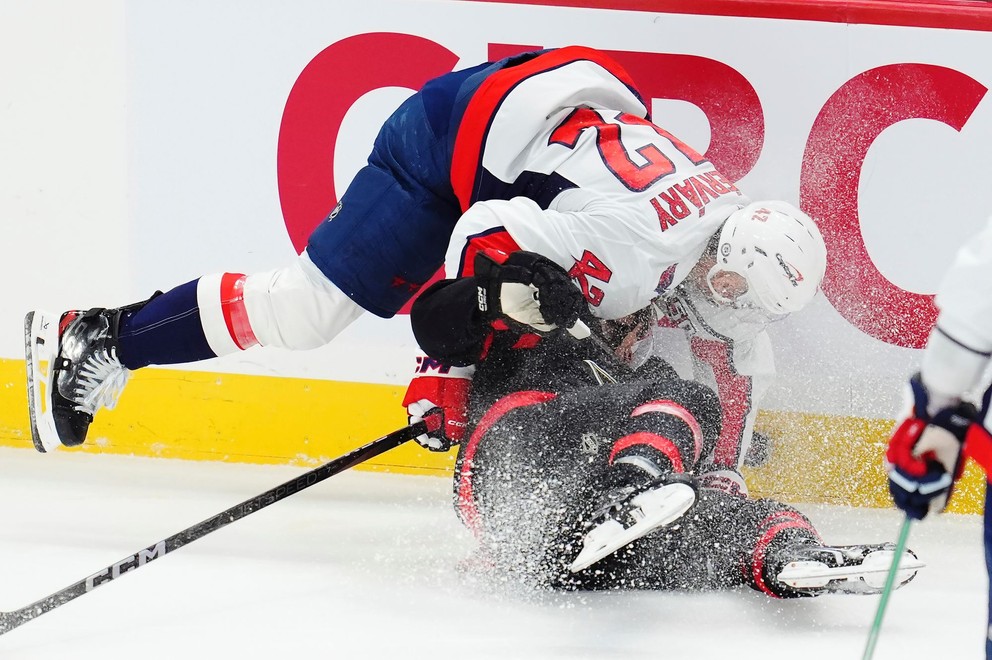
(167, 330)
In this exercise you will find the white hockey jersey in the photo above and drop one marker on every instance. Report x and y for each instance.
(636, 209)
(636, 205)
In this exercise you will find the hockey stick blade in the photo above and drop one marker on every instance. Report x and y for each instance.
(16, 618)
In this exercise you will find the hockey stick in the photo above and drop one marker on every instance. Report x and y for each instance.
(890, 580)
(613, 364)
(11, 620)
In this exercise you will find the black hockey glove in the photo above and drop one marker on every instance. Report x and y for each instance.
(530, 289)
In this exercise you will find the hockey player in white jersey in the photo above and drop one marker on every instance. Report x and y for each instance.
(532, 141)
(374, 251)
(940, 426)
(728, 340)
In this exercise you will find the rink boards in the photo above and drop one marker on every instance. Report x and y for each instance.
(145, 148)
(265, 420)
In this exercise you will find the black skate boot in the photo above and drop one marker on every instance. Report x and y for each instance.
(808, 569)
(73, 371)
(631, 512)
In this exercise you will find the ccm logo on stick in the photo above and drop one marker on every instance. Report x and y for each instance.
(140, 558)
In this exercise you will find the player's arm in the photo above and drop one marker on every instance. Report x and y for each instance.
(924, 456)
(497, 287)
(446, 318)
(740, 372)
(453, 320)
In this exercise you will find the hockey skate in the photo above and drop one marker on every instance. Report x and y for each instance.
(849, 569)
(73, 371)
(634, 512)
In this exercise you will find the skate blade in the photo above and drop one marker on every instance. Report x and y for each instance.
(659, 507)
(41, 338)
(872, 572)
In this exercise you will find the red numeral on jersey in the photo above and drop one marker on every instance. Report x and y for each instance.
(590, 266)
(616, 157)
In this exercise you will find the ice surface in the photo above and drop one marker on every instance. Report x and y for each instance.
(369, 565)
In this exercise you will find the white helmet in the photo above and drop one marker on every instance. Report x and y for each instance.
(778, 250)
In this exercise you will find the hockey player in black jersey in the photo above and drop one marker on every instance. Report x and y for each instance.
(577, 472)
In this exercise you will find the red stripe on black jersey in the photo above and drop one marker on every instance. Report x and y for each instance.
(769, 528)
(657, 442)
(486, 102)
(466, 507)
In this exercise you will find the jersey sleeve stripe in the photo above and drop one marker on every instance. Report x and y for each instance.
(213, 321)
(495, 242)
(666, 407)
(232, 301)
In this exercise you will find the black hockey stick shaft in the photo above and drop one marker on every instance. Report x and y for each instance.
(11, 620)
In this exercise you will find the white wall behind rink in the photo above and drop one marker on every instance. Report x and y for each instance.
(139, 149)
(62, 158)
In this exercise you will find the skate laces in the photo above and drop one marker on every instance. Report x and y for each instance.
(846, 555)
(93, 376)
(100, 381)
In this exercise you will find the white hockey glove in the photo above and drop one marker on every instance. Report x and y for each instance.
(530, 289)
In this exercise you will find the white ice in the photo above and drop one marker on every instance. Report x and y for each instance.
(369, 565)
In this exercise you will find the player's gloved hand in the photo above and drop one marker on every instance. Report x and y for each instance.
(530, 289)
(447, 395)
(924, 456)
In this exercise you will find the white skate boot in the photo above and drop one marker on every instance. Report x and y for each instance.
(850, 569)
(634, 512)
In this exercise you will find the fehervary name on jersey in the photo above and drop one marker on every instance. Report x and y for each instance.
(697, 190)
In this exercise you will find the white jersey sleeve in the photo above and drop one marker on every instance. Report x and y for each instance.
(960, 345)
(612, 253)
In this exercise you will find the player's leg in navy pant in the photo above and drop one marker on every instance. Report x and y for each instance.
(391, 230)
